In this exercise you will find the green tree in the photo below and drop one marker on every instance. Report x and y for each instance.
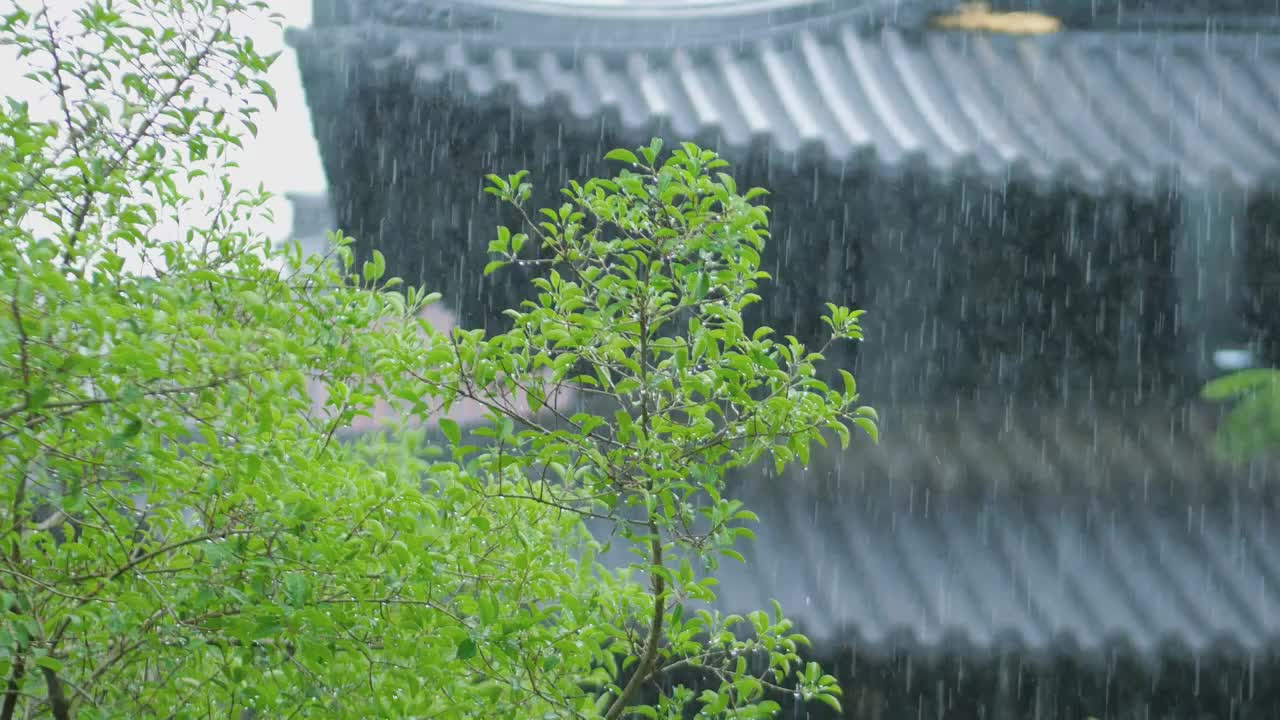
(640, 310)
(183, 531)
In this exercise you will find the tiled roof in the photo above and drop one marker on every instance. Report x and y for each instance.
(1045, 533)
(1093, 108)
(1043, 576)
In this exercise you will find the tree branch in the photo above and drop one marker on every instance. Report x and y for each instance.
(159, 392)
(58, 704)
(81, 214)
(650, 656)
(14, 688)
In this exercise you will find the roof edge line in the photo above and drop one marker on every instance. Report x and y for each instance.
(519, 24)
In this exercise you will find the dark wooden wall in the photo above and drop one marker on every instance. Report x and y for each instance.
(1262, 276)
(973, 291)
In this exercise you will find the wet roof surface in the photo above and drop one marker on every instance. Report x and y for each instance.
(1095, 109)
(1050, 537)
(1046, 577)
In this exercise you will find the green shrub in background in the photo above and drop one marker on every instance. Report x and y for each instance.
(1252, 425)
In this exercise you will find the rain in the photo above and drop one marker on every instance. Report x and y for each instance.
(1063, 219)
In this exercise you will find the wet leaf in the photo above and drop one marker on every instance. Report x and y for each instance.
(622, 155)
(466, 649)
(1240, 383)
(451, 431)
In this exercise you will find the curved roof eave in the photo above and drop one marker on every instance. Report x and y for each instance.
(620, 24)
(1097, 111)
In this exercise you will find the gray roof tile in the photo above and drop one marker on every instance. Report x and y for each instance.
(1014, 572)
(1047, 533)
(1095, 108)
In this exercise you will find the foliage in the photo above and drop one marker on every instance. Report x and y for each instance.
(1252, 426)
(641, 309)
(182, 534)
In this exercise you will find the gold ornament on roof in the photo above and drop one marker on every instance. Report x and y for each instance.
(979, 17)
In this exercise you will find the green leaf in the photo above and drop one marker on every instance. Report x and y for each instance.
(869, 427)
(49, 663)
(466, 649)
(297, 589)
(38, 397)
(1240, 383)
(622, 155)
(451, 431)
(374, 269)
(268, 91)
(502, 245)
(130, 431)
(850, 385)
(830, 701)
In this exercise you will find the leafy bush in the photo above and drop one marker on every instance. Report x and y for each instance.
(183, 534)
(1252, 425)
